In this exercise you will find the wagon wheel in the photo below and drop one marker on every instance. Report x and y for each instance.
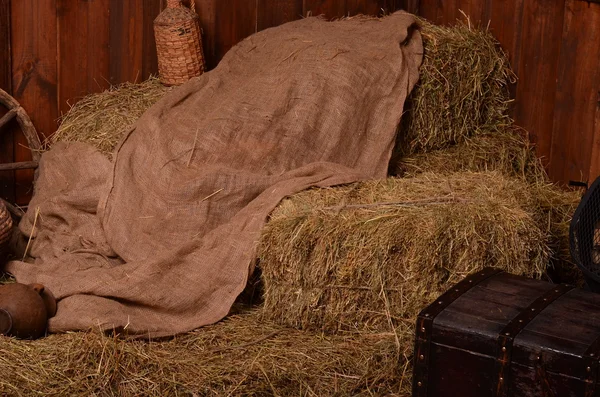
(33, 141)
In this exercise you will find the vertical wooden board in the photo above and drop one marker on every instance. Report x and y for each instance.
(7, 178)
(429, 9)
(386, 7)
(5, 54)
(577, 94)
(449, 11)
(235, 20)
(537, 69)
(149, 59)
(365, 7)
(412, 6)
(474, 9)
(505, 17)
(441, 12)
(329, 8)
(34, 48)
(595, 161)
(83, 52)
(206, 9)
(276, 12)
(98, 45)
(126, 40)
(505, 20)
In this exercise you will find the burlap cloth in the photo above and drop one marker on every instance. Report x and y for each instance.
(163, 240)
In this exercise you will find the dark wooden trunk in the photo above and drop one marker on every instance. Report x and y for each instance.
(496, 334)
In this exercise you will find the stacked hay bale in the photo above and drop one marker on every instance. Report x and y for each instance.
(352, 264)
(370, 256)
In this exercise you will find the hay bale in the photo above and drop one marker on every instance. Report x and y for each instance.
(507, 152)
(369, 256)
(510, 153)
(101, 119)
(241, 355)
(462, 90)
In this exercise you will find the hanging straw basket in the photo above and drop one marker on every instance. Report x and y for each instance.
(178, 43)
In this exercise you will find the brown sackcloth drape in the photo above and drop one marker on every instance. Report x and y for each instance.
(163, 240)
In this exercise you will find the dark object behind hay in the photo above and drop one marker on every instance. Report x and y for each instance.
(240, 356)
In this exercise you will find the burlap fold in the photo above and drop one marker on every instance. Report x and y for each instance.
(163, 240)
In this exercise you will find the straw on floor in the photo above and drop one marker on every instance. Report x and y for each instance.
(241, 356)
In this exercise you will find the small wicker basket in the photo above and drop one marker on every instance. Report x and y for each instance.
(6, 229)
(178, 43)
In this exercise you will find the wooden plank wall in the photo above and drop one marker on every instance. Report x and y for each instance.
(7, 178)
(56, 51)
(554, 46)
(61, 50)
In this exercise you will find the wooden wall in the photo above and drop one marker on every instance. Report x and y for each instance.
(554, 46)
(55, 51)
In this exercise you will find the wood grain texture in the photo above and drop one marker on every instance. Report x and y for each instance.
(207, 10)
(474, 9)
(538, 68)
(149, 58)
(34, 68)
(126, 32)
(429, 9)
(5, 52)
(7, 178)
(364, 7)
(235, 20)
(329, 8)
(276, 12)
(412, 6)
(83, 49)
(576, 103)
(595, 160)
(505, 18)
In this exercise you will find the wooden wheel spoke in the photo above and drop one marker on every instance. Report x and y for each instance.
(33, 141)
(23, 165)
(12, 113)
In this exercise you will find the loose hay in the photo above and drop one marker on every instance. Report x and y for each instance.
(462, 90)
(369, 256)
(240, 356)
(101, 119)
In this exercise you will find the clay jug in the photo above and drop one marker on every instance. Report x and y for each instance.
(25, 309)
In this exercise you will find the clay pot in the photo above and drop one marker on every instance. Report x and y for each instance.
(25, 309)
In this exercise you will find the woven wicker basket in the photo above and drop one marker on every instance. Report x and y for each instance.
(6, 229)
(178, 43)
